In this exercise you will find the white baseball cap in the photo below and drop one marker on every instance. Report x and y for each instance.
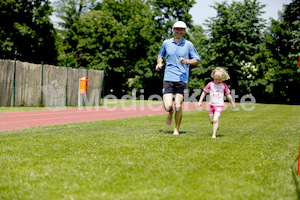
(179, 24)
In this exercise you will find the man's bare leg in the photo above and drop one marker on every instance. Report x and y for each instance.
(178, 113)
(178, 117)
(169, 118)
(168, 104)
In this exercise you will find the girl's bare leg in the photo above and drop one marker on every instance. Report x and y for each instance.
(215, 121)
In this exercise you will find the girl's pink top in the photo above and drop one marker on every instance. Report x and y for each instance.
(216, 93)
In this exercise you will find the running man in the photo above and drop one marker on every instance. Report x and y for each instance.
(180, 54)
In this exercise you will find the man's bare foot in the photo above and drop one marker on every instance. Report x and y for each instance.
(214, 136)
(176, 132)
(169, 118)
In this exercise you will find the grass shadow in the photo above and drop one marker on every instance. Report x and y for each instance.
(294, 176)
(218, 135)
(171, 132)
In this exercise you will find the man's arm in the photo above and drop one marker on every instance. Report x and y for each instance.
(192, 62)
(159, 63)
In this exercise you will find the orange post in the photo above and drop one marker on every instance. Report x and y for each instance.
(83, 85)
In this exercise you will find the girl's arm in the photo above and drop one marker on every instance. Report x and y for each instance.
(229, 97)
(201, 98)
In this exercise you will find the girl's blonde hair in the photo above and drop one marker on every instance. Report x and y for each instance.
(225, 75)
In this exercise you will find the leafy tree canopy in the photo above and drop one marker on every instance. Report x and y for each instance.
(27, 33)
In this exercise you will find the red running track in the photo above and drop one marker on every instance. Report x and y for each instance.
(27, 119)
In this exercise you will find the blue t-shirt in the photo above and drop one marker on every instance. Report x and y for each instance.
(174, 70)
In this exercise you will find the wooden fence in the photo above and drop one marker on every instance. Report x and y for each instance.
(27, 84)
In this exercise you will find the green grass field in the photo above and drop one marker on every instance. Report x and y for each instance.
(253, 157)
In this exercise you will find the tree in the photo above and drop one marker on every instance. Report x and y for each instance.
(27, 33)
(166, 12)
(200, 75)
(236, 36)
(69, 12)
(121, 37)
(117, 38)
(282, 39)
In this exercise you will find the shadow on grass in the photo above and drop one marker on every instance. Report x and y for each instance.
(171, 132)
(294, 176)
(217, 135)
(185, 132)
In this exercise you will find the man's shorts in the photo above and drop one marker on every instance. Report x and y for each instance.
(174, 87)
(212, 109)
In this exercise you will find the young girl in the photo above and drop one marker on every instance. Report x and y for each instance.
(216, 88)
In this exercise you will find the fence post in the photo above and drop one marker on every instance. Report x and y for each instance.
(15, 67)
(67, 86)
(42, 83)
(102, 87)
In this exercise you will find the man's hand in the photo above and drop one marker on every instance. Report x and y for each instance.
(158, 66)
(183, 60)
